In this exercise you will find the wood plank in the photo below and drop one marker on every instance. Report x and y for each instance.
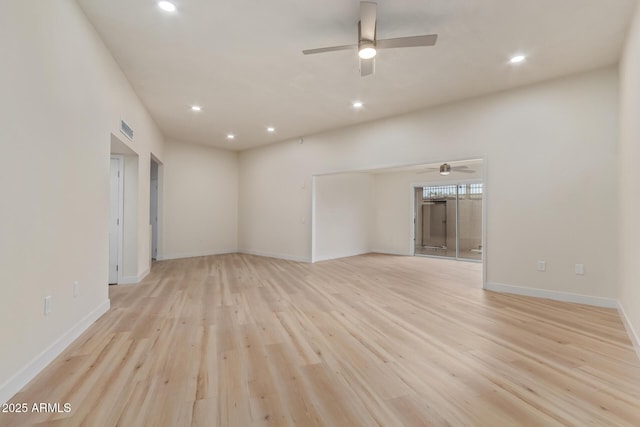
(240, 340)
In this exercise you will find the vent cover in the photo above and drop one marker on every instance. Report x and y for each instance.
(126, 129)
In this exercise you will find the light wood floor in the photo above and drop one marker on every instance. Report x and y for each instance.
(238, 340)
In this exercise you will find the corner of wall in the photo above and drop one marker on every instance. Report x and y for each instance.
(628, 175)
(285, 257)
(197, 254)
(633, 335)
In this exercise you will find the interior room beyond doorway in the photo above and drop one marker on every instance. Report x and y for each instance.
(448, 221)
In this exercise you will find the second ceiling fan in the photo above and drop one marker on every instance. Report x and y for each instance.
(368, 44)
(446, 168)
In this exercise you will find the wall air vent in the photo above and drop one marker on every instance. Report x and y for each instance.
(126, 129)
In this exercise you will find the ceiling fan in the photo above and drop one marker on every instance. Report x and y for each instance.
(368, 44)
(446, 168)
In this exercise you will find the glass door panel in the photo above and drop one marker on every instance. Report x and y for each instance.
(470, 221)
(435, 229)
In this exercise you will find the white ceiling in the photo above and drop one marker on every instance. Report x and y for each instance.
(242, 61)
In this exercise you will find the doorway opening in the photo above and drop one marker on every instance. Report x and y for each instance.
(448, 221)
(123, 219)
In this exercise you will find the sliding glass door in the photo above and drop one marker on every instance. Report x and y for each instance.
(448, 221)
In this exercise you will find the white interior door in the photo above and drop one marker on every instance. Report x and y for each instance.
(114, 219)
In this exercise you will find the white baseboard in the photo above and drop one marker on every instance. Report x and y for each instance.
(233, 251)
(275, 255)
(386, 252)
(131, 280)
(337, 256)
(575, 298)
(14, 384)
(554, 295)
(196, 254)
(633, 336)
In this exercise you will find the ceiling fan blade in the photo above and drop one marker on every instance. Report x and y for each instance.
(415, 41)
(457, 168)
(329, 49)
(428, 170)
(367, 66)
(464, 170)
(368, 20)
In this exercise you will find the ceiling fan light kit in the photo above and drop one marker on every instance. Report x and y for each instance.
(367, 50)
(368, 44)
(445, 169)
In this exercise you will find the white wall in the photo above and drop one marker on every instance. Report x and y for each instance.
(629, 180)
(550, 149)
(393, 219)
(394, 207)
(275, 202)
(63, 95)
(344, 215)
(200, 200)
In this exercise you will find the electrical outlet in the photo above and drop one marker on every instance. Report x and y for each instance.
(76, 289)
(47, 304)
(580, 269)
(542, 266)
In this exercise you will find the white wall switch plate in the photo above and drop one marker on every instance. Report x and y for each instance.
(579, 268)
(542, 266)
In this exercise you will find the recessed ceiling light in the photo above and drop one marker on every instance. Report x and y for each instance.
(517, 59)
(230, 136)
(271, 129)
(196, 108)
(357, 104)
(167, 6)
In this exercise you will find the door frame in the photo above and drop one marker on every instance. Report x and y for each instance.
(120, 159)
(155, 232)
